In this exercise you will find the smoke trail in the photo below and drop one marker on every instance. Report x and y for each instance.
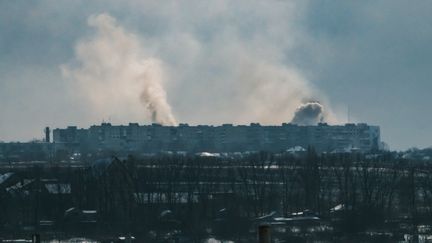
(310, 113)
(239, 70)
(226, 77)
(115, 76)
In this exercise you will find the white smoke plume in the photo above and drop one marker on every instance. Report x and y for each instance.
(113, 73)
(233, 61)
(218, 72)
(310, 113)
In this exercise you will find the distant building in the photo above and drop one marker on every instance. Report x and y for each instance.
(225, 138)
(16, 151)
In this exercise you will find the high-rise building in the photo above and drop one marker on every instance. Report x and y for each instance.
(225, 138)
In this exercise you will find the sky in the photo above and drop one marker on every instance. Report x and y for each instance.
(212, 62)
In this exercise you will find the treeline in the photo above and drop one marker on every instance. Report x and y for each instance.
(195, 193)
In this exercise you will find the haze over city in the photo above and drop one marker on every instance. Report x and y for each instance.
(215, 121)
(214, 62)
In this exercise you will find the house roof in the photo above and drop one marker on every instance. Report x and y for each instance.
(58, 188)
(5, 177)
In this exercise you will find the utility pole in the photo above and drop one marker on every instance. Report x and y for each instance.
(264, 233)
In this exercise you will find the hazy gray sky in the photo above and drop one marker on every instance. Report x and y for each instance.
(220, 61)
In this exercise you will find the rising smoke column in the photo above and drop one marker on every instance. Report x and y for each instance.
(115, 76)
(233, 62)
(310, 113)
(224, 78)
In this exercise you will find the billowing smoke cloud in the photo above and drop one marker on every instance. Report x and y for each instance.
(115, 76)
(218, 72)
(310, 113)
(233, 62)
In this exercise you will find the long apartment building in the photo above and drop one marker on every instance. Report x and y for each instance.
(225, 138)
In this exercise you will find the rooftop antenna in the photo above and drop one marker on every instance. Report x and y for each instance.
(348, 114)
